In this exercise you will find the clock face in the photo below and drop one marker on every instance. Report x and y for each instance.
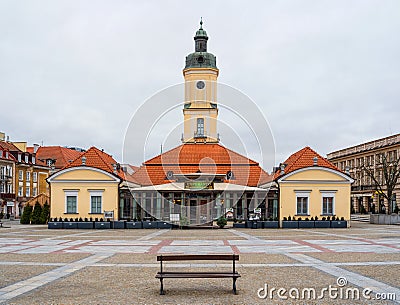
(200, 84)
(200, 59)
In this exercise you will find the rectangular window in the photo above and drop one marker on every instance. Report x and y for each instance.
(20, 175)
(9, 189)
(200, 126)
(34, 192)
(302, 206)
(2, 188)
(20, 191)
(26, 158)
(34, 177)
(28, 176)
(71, 202)
(328, 202)
(327, 205)
(2, 173)
(28, 192)
(95, 204)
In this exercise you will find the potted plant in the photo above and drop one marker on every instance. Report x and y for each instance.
(336, 223)
(289, 223)
(164, 225)
(221, 222)
(150, 224)
(134, 224)
(84, 224)
(55, 223)
(101, 224)
(271, 223)
(306, 223)
(239, 224)
(323, 223)
(118, 224)
(70, 224)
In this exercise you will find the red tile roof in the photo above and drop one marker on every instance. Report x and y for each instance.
(9, 146)
(99, 159)
(204, 158)
(302, 159)
(61, 155)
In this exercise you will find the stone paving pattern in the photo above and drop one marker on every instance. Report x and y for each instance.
(40, 266)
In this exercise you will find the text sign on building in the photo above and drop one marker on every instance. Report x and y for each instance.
(10, 204)
(199, 185)
(108, 214)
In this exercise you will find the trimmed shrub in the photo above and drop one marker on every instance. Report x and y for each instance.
(221, 222)
(44, 216)
(26, 215)
(37, 211)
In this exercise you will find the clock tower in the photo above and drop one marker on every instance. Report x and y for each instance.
(200, 109)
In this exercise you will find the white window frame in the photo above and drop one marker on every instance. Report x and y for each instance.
(200, 127)
(20, 191)
(34, 192)
(303, 194)
(34, 176)
(95, 193)
(26, 158)
(27, 192)
(71, 193)
(328, 194)
(21, 175)
(28, 176)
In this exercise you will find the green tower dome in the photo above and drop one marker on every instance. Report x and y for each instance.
(201, 58)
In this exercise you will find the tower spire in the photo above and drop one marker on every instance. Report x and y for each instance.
(201, 23)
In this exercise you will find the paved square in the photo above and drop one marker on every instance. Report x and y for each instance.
(40, 266)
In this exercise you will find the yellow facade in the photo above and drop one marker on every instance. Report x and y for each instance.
(83, 183)
(315, 184)
(200, 103)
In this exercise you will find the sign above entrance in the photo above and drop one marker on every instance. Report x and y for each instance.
(199, 185)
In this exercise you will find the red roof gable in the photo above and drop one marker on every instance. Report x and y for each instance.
(204, 158)
(101, 160)
(9, 146)
(61, 155)
(302, 159)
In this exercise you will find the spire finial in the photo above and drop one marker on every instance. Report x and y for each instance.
(201, 23)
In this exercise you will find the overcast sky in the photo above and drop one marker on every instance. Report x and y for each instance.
(326, 74)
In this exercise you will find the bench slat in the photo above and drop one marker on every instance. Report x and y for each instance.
(205, 257)
(197, 275)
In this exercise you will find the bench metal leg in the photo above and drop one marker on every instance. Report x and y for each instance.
(234, 285)
(162, 287)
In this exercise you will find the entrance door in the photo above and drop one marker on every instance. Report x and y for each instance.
(193, 212)
(203, 208)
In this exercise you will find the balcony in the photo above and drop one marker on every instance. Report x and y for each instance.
(363, 188)
(7, 196)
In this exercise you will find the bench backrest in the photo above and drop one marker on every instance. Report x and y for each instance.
(204, 257)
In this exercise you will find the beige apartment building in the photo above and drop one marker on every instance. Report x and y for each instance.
(364, 195)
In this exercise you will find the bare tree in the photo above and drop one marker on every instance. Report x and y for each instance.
(384, 174)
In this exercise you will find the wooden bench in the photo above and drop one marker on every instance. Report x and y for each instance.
(179, 275)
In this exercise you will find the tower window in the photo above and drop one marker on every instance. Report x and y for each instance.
(200, 127)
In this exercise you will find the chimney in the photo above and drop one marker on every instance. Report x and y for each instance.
(282, 168)
(35, 148)
(315, 161)
(115, 168)
(347, 170)
(83, 160)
